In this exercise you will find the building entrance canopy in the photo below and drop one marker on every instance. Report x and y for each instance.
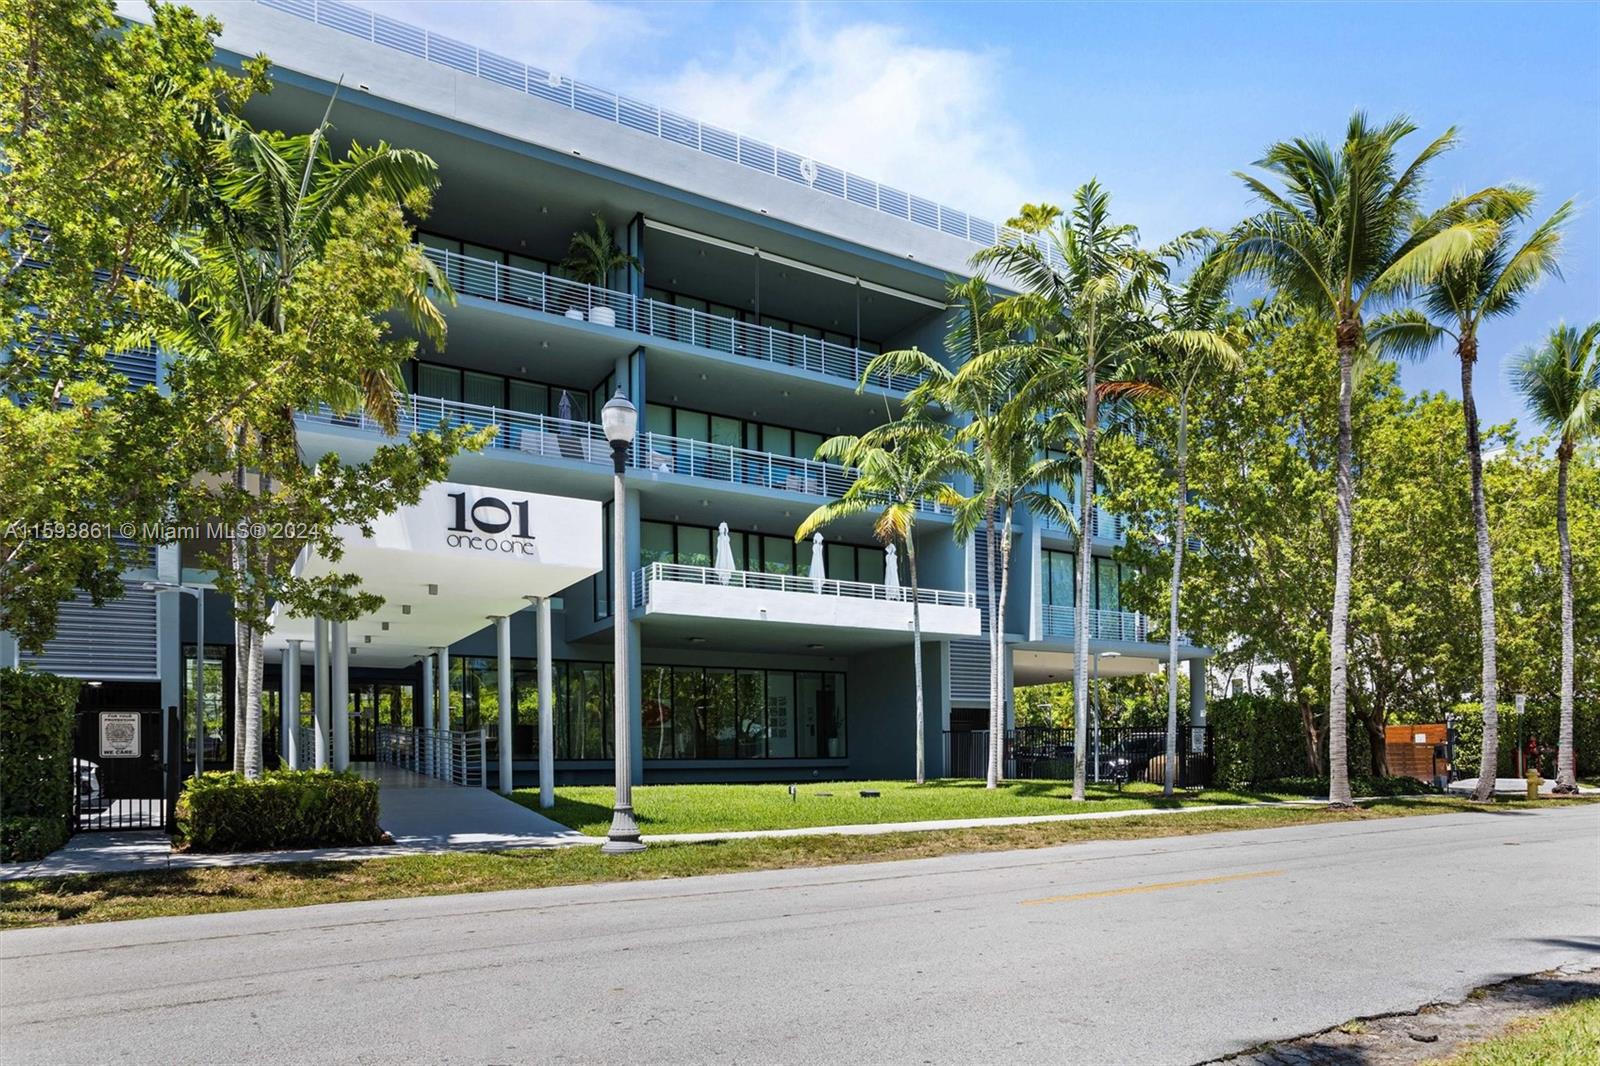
(462, 554)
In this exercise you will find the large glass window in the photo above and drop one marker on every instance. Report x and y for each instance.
(1060, 574)
(1107, 585)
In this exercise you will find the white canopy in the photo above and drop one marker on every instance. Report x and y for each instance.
(463, 553)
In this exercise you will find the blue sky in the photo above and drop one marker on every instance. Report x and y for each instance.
(983, 106)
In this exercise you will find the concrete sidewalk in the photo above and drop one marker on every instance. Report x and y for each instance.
(422, 814)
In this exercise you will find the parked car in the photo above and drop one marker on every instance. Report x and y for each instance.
(87, 775)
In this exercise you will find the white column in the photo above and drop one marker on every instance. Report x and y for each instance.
(441, 709)
(289, 717)
(424, 748)
(319, 696)
(502, 632)
(339, 698)
(547, 711)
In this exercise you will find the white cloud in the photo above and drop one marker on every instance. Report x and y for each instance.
(866, 96)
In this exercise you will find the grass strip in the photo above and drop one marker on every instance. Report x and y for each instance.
(122, 896)
(1566, 1036)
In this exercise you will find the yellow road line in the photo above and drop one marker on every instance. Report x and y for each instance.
(1132, 889)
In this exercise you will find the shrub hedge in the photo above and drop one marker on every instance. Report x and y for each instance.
(279, 809)
(1542, 719)
(1360, 785)
(36, 712)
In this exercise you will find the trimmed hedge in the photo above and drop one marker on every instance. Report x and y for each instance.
(36, 713)
(1359, 786)
(279, 809)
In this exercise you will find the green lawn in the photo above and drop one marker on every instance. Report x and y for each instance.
(720, 808)
(1567, 1036)
(116, 897)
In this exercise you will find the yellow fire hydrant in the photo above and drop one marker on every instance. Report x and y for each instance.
(1534, 781)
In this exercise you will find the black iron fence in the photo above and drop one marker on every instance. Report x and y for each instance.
(125, 769)
(1112, 755)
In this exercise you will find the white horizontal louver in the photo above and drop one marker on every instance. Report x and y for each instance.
(116, 642)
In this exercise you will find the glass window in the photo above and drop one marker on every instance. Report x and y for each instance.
(524, 262)
(830, 716)
(841, 561)
(694, 425)
(529, 398)
(808, 697)
(806, 444)
(485, 389)
(688, 710)
(1107, 589)
(717, 740)
(777, 555)
(869, 566)
(725, 431)
(655, 712)
(777, 440)
(780, 714)
(655, 543)
(658, 419)
(751, 714)
(442, 382)
(694, 546)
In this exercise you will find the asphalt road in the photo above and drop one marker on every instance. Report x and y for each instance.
(1157, 951)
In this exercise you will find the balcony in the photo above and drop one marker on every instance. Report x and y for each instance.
(541, 436)
(1106, 527)
(1061, 622)
(700, 592)
(579, 302)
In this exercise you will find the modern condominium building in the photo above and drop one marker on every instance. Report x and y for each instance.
(763, 282)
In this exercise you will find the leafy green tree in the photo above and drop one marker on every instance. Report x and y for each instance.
(903, 466)
(1488, 283)
(98, 122)
(297, 256)
(1083, 307)
(1191, 338)
(1343, 235)
(1560, 381)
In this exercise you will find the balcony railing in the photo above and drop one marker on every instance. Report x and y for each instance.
(656, 453)
(1107, 528)
(582, 302)
(800, 585)
(1061, 621)
(454, 755)
(651, 120)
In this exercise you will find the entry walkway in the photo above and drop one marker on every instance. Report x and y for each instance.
(422, 814)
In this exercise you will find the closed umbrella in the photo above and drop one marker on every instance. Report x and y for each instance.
(564, 407)
(724, 553)
(891, 572)
(819, 570)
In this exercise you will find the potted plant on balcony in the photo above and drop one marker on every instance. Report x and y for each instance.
(592, 257)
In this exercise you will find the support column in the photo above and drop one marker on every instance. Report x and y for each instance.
(289, 715)
(319, 695)
(547, 711)
(502, 632)
(1197, 702)
(339, 694)
(441, 710)
(10, 654)
(423, 753)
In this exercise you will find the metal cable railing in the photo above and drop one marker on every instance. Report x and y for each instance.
(1061, 621)
(645, 577)
(455, 755)
(654, 453)
(582, 302)
(653, 121)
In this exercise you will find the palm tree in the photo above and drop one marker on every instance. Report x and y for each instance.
(1085, 284)
(902, 468)
(1190, 340)
(1343, 236)
(265, 212)
(1560, 382)
(1487, 284)
(981, 390)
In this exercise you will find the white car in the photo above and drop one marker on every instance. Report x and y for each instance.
(87, 775)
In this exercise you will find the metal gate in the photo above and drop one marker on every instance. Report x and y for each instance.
(123, 771)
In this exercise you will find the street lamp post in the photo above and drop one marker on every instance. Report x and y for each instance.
(199, 594)
(620, 420)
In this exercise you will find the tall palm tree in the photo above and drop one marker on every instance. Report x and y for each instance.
(1085, 284)
(979, 392)
(1343, 234)
(902, 467)
(1191, 339)
(1560, 381)
(265, 210)
(1490, 283)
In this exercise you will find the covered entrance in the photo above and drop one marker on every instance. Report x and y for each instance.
(463, 557)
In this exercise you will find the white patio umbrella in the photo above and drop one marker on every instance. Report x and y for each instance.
(819, 569)
(724, 565)
(564, 407)
(891, 572)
